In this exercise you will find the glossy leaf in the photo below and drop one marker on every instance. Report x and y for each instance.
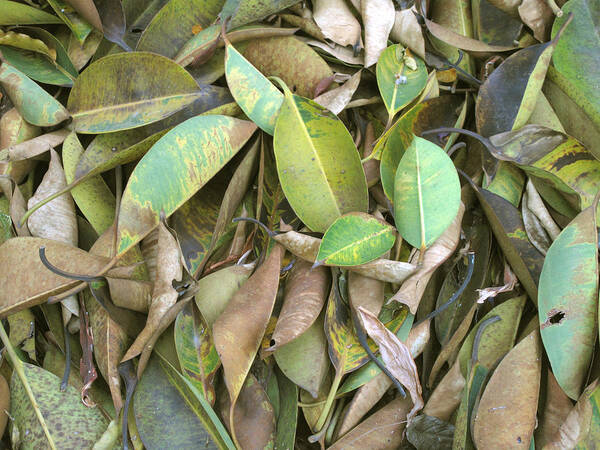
(209, 141)
(256, 95)
(120, 92)
(33, 103)
(426, 193)
(78, 25)
(568, 301)
(355, 238)
(19, 13)
(246, 11)
(317, 162)
(398, 83)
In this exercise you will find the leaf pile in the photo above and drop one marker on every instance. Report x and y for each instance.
(342, 224)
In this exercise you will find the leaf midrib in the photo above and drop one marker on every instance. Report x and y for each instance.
(358, 242)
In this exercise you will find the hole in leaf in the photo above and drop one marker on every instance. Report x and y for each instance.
(554, 317)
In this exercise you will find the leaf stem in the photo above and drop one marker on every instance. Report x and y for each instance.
(18, 366)
(339, 373)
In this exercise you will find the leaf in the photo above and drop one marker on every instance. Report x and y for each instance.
(354, 239)
(582, 36)
(253, 416)
(78, 25)
(173, 25)
(412, 290)
(337, 99)
(93, 197)
(366, 292)
(110, 343)
(407, 31)
(19, 13)
(317, 162)
(427, 193)
(238, 331)
(36, 145)
(87, 9)
(306, 290)
(430, 432)
(439, 111)
(217, 289)
(447, 395)
(164, 295)
(568, 301)
(256, 95)
(137, 17)
(209, 141)
(14, 130)
(556, 409)
(304, 360)
(337, 22)
(288, 412)
(55, 220)
(378, 19)
(506, 415)
(398, 83)
(396, 357)
(389, 421)
(126, 94)
(243, 12)
(69, 421)
(33, 103)
(289, 59)
(505, 101)
(196, 352)
(164, 401)
(112, 17)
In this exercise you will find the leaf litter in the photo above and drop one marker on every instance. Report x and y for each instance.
(389, 280)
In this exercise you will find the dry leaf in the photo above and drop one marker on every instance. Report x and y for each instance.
(396, 357)
(337, 22)
(447, 394)
(407, 31)
(556, 410)
(412, 289)
(164, 296)
(378, 18)
(305, 293)
(538, 16)
(337, 99)
(510, 281)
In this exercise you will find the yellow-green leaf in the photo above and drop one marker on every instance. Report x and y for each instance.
(318, 165)
(355, 238)
(426, 193)
(123, 91)
(174, 169)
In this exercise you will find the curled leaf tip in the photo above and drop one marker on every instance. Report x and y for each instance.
(270, 232)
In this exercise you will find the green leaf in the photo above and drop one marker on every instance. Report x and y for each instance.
(14, 13)
(243, 12)
(396, 91)
(568, 301)
(577, 54)
(93, 197)
(256, 95)
(173, 25)
(432, 113)
(196, 352)
(171, 413)
(287, 418)
(122, 91)
(33, 103)
(79, 26)
(318, 165)
(174, 169)
(41, 66)
(355, 238)
(70, 422)
(508, 96)
(426, 193)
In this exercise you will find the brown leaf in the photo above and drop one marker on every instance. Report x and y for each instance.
(337, 99)
(412, 289)
(4, 403)
(164, 295)
(506, 416)
(304, 297)
(538, 16)
(555, 412)
(19, 152)
(365, 292)
(382, 430)
(337, 22)
(238, 331)
(396, 357)
(407, 31)
(447, 395)
(253, 416)
(378, 18)
(510, 280)
(13, 130)
(26, 282)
